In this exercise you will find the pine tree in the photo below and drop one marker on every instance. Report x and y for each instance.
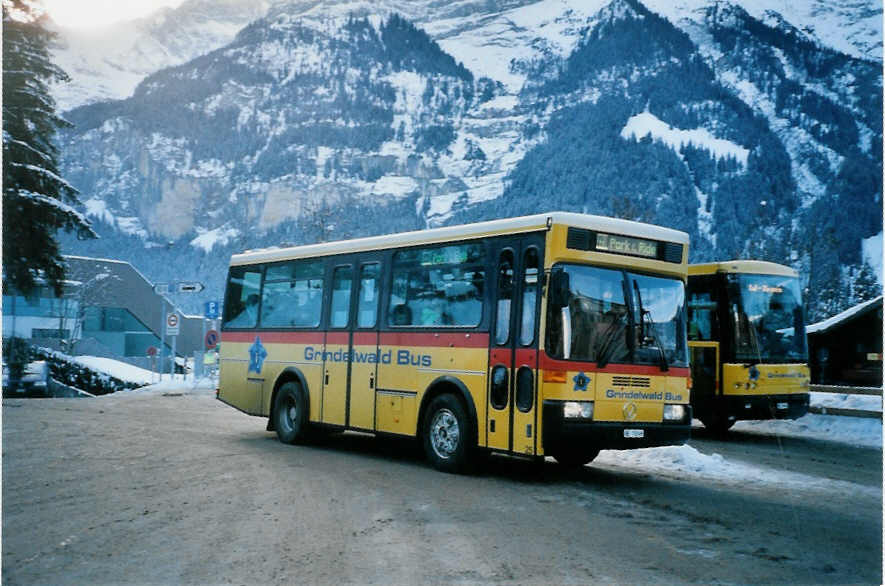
(37, 201)
(865, 285)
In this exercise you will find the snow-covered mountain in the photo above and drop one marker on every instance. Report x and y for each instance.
(107, 63)
(734, 122)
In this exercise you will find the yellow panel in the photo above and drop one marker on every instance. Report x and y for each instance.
(395, 413)
(362, 389)
(233, 387)
(335, 385)
(774, 379)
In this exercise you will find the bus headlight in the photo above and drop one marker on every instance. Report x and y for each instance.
(577, 410)
(674, 412)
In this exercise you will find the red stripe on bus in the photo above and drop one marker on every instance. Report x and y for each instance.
(417, 339)
(365, 338)
(274, 337)
(524, 357)
(338, 338)
(548, 363)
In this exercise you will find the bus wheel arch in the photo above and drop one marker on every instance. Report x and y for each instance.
(289, 375)
(447, 399)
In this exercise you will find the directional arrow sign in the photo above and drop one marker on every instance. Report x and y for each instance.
(189, 287)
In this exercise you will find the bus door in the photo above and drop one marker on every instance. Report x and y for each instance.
(336, 361)
(511, 414)
(364, 346)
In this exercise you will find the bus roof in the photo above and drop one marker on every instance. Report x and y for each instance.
(465, 232)
(756, 267)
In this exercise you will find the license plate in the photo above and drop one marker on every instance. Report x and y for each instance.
(633, 433)
(782, 405)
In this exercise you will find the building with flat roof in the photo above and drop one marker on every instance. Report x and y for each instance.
(107, 308)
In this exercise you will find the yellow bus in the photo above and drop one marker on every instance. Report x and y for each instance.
(746, 331)
(555, 334)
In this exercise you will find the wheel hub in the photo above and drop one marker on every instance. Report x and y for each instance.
(444, 433)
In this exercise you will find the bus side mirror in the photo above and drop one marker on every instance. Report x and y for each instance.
(560, 289)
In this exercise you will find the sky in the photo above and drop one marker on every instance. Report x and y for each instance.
(96, 13)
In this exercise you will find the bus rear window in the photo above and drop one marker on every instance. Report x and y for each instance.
(242, 297)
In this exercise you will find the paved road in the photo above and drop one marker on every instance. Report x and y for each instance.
(182, 489)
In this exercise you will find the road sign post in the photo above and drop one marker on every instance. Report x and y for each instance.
(161, 289)
(172, 328)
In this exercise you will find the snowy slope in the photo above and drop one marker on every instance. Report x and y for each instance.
(107, 63)
(494, 39)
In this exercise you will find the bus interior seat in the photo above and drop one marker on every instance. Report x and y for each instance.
(401, 315)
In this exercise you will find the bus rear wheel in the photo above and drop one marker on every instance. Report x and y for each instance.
(573, 458)
(447, 435)
(290, 413)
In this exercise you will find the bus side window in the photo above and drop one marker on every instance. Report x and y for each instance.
(529, 297)
(367, 310)
(339, 315)
(438, 286)
(505, 297)
(701, 316)
(243, 290)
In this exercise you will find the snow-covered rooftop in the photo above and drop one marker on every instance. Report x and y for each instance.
(849, 313)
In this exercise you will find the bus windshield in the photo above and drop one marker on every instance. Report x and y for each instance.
(768, 318)
(616, 316)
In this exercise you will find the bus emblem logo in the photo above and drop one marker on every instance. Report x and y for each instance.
(581, 381)
(630, 410)
(257, 354)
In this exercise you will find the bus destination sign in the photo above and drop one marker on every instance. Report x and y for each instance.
(626, 245)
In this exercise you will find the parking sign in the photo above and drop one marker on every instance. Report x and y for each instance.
(211, 309)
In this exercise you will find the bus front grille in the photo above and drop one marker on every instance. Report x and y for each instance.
(631, 381)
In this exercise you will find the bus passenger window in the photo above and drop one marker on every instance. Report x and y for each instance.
(367, 312)
(241, 305)
(340, 310)
(292, 294)
(438, 286)
(529, 297)
(505, 297)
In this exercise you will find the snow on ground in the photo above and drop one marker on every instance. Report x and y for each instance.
(855, 431)
(115, 368)
(863, 402)
(180, 384)
(687, 463)
(646, 123)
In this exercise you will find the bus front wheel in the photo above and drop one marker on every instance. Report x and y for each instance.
(290, 413)
(447, 434)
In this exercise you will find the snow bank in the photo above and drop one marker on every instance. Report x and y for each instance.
(115, 368)
(687, 463)
(863, 402)
(855, 431)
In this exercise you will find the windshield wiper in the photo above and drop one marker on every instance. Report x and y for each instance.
(644, 341)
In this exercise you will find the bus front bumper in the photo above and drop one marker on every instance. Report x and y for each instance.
(610, 435)
(744, 407)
